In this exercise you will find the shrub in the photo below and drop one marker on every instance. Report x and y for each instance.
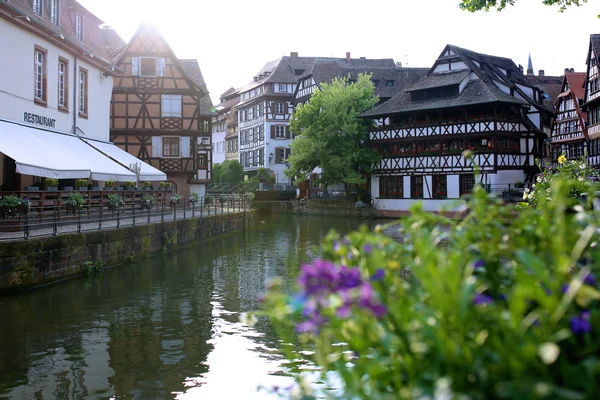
(13, 206)
(51, 182)
(109, 183)
(162, 185)
(129, 185)
(74, 201)
(359, 204)
(208, 199)
(81, 183)
(115, 202)
(501, 304)
(249, 196)
(148, 201)
(147, 185)
(194, 197)
(223, 199)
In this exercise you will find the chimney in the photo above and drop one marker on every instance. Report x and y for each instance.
(348, 57)
(363, 58)
(541, 72)
(572, 70)
(294, 54)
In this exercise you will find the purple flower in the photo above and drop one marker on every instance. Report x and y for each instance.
(581, 323)
(348, 278)
(478, 264)
(590, 280)
(368, 302)
(312, 325)
(379, 274)
(349, 256)
(564, 288)
(344, 311)
(336, 245)
(367, 248)
(481, 299)
(346, 241)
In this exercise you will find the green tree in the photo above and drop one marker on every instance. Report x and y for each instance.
(263, 175)
(330, 135)
(216, 172)
(477, 5)
(231, 171)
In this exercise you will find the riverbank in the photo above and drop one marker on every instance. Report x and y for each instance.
(30, 263)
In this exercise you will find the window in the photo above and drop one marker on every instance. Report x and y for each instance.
(63, 84)
(282, 87)
(279, 108)
(280, 132)
(170, 106)
(281, 154)
(79, 27)
(83, 92)
(37, 6)
(467, 182)
(259, 111)
(416, 187)
(438, 183)
(251, 113)
(40, 80)
(260, 133)
(261, 157)
(389, 83)
(147, 66)
(54, 11)
(391, 187)
(375, 82)
(170, 147)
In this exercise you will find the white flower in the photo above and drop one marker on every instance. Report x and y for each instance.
(524, 196)
(580, 178)
(539, 178)
(533, 186)
(582, 166)
(548, 190)
(248, 319)
(526, 190)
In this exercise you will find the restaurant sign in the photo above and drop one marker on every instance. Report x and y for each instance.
(39, 120)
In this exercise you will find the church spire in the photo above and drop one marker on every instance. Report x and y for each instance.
(529, 66)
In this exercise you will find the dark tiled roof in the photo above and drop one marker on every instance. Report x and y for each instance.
(192, 70)
(440, 79)
(113, 43)
(595, 43)
(476, 92)
(576, 81)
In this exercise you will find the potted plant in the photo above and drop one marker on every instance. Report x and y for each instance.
(148, 201)
(109, 184)
(162, 185)
(194, 198)
(129, 185)
(174, 199)
(74, 202)
(51, 184)
(115, 202)
(81, 184)
(12, 207)
(147, 185)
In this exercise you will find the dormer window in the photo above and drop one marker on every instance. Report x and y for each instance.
(79, 27)
(439, 92)
(389, 83)
(37, 6)
(282, 87)
(54, 12)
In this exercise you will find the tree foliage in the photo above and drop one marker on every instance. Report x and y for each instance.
(229, 171)
(477, 5)
(330, 135)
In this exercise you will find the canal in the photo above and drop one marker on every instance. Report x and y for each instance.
(161, 328)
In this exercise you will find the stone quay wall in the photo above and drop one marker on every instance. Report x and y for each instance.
(35, 262)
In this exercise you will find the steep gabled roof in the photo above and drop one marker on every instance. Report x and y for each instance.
(576, 82)
(113, 42)
(489, 69)
(192, 70)
(595, 43)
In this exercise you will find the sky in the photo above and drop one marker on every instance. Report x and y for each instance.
(233, 39)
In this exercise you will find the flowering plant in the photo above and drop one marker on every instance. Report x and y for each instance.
(194, 198)
(115, 202)
(148, 201)
(583, 177)
(174, 199)
(74, 201)
(13, 206)
(501, 304)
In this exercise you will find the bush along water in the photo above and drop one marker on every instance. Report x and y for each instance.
(501, 304)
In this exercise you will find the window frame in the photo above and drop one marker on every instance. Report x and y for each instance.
(79, 27)
(416, 194)
(389, 83)
(176, 143)
(439, 186)
(171, 98)
(283, 87)
(64, 75)
(54, 10)
(466, 187)
(384, 187)
(40, 76)
(142, 67)
(83, 92)
(277, 106)
(37, 6)
(277, 128)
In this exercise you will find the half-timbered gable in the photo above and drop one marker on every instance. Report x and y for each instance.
(467, 101)
(592, 99)
(569, 129)
(225, 133)
(161, 111)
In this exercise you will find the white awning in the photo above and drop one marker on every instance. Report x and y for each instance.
(56, 155)
(147, 171)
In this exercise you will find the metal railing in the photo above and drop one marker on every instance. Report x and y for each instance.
(50, 217)
(322, 194)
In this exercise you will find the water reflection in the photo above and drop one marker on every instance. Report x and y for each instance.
(166, 327)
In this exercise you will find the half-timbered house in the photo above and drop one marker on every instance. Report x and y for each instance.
(56, 84)
(569, 128)
(592, 100)
(468, 101)
(161, 111)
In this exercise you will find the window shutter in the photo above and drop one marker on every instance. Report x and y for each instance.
(287, 132)
(285, 108)
(156, 146)
(184, 145)
(272, 131)
(278, 155)
(135, 66)
(160, 67)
